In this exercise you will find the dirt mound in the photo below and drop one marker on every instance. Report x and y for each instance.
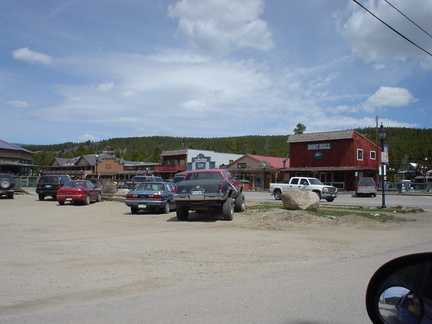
(282, 219)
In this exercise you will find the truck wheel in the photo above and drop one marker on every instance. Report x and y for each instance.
(41, 197)
(240, 205)
(4, 183)
(182, 213)
(228, 209)
(330, 199)
(319, 194)
(277, 194)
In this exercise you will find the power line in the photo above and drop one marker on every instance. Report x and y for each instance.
(408, 18)
(383, 22)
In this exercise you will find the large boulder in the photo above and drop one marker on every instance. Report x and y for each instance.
(300, 200)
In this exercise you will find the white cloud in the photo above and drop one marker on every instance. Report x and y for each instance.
(219, 26)
(24, 54)
(373, 41)
(106, 86)
(390, 97)
(17, 103)
(245, 97)
(194, 105)
(88, 137)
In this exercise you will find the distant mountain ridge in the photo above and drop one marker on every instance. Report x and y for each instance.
(405, 145)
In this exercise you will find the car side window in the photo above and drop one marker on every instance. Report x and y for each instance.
(191, 176)
(294, 181)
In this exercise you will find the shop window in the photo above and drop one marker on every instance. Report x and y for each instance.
(360, 154)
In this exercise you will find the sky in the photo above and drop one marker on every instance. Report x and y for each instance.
(80, 70)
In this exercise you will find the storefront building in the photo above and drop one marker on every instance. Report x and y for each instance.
(337, 158)
(180, 160)
(15, 160)
(258, 171)
(102, 165)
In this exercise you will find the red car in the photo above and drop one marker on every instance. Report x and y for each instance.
(79, 190)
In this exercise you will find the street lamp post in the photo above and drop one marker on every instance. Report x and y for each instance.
(97, 162)
(263, 165)
(382, 136)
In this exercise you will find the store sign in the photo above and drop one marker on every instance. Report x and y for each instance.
(319, 146)
(318, 156)
(201, 162)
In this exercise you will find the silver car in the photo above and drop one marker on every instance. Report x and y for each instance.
(157, 196)
(366, 187)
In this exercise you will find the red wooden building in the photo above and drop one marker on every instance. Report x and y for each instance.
(338, 158)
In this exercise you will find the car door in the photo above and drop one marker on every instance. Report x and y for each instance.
(294, 184)
(169, 191)
(304, 183)
(91, 190)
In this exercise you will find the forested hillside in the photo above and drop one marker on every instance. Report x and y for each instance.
(405, 145)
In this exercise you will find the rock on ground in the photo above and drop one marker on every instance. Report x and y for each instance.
(300, 200)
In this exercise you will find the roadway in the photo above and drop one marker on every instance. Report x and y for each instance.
(349, 199)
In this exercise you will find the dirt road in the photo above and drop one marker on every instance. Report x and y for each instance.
(56, 259)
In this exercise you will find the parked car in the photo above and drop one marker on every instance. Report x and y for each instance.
(79, 191)
(156, 196)
(366, 187)
(49, 184)
(7, 185)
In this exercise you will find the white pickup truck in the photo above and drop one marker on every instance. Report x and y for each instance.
(328, 193)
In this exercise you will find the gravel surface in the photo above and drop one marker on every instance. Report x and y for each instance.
(55, 257)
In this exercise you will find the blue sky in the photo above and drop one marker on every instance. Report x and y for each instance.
(78, 70)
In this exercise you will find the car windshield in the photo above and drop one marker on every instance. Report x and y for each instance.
(203, 175)
(141, 178)
(366, 182)
(74, 184)
(315, 182)
(48, 179)
(150, 187)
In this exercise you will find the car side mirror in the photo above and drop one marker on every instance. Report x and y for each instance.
(400, 291)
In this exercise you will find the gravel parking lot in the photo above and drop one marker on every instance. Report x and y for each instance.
(56, 259)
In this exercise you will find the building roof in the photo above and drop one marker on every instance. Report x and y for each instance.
(12, 147)
(172, 152)
(322, 136)
(275, 162)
